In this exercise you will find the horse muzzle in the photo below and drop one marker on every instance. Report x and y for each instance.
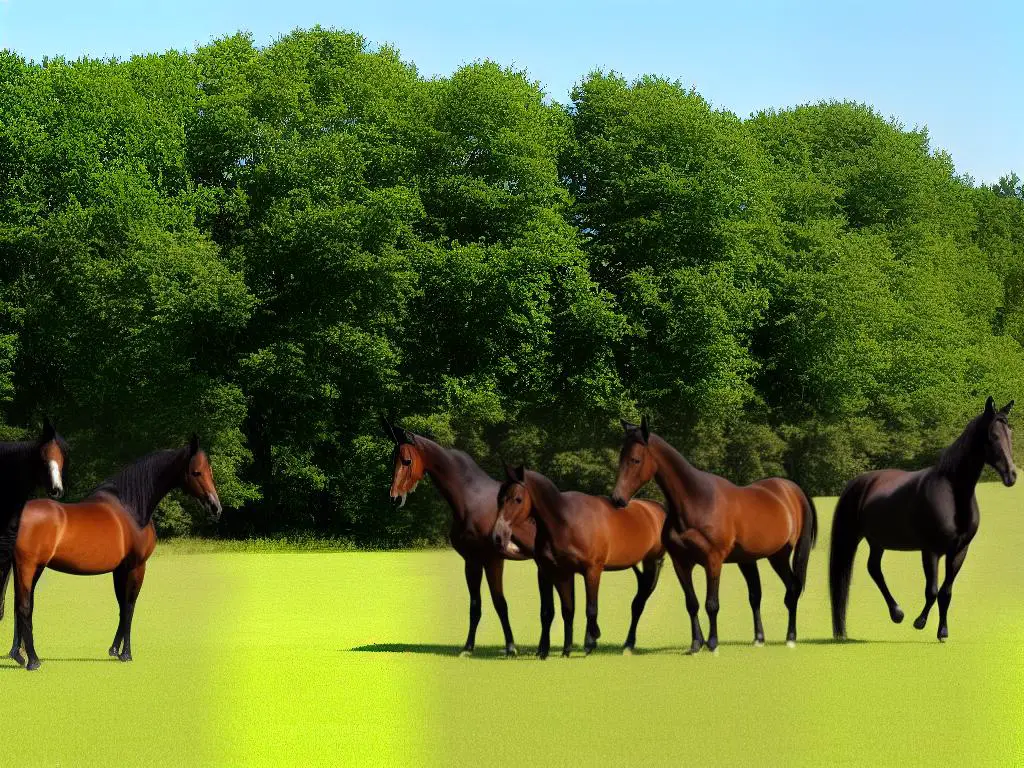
(213, 506)
(1010, 477)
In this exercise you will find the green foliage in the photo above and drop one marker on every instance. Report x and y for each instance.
(272, 246)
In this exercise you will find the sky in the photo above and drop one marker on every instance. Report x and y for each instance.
(956, 70)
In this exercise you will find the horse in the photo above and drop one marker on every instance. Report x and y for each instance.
(472, 495)
(580, 533)
(710, 521)
(933, 510)
(110, 531)
(24, 466)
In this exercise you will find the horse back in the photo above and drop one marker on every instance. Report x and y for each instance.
(904, 510)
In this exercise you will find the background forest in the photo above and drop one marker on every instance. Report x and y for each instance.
(273, 246)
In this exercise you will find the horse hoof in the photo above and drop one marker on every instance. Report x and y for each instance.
(465, 653)
(627, 651)
(542, 655)
(16, 655)
(694, 649)
(791, 643)
(113, 652)
(896, 614)
(759, 643)
(125, 657)
(566, 654)
(714, 651)
(920, 622)
(511, 651)
(33, 664)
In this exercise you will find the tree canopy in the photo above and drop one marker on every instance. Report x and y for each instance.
(274, 246)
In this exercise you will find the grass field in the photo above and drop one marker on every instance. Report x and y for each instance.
(350, 658)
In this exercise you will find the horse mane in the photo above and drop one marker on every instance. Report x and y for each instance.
(961, 448)
(466, 462)
(141, 485)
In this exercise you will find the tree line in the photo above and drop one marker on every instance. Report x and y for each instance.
(275, 245)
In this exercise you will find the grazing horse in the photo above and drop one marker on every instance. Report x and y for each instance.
(580, 533)
(24, 466)
(111, 530)
(472, 495)
(711, 521)
(933, 510)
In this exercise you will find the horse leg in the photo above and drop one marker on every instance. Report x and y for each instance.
(494, 570)
(566, 586)
(930, 561)
(780, 562)
(954, 560)
(646, 581)
(133, 584)
(875, 569)
(16, 645)
(547, 611)
(120, 580)
(753, 578)
(27, 577)
(592, 583)
(684, 571)
(714, 572)
(474, 573)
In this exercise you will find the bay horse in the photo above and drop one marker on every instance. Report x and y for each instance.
(710, 521)
(580, 533)
(110, 531)
(24, 466)
(933, 510)
(472, 495)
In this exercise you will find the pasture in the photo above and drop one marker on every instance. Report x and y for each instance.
(350, 658)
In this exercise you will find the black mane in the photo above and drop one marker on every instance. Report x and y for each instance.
(965, 446)
(141, 485)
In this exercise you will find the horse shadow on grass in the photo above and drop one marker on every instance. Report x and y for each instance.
(498, 651)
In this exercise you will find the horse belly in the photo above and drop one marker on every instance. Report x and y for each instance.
(891, 527)
(88, 555)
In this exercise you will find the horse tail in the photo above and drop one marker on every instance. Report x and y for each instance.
(5, 576)
(846, 535)
(808, 538)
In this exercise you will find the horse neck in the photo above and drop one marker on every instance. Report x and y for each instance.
(546, 501)
(142, 486)
(681, 482)
(964, 460)
(17, 478)
(450, 475)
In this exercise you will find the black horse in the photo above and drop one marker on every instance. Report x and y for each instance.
(24, 466)
(932, 510)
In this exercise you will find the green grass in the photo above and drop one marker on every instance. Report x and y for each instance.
(349, 658)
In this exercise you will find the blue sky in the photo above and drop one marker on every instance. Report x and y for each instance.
(937, 64)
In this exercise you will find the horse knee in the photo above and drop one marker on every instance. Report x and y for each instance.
(547, 614)
(711, 606)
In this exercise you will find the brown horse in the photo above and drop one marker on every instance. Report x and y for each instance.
(111, 530)
(472, 495)
(24, 466)
(580, 533)
(933, 510)
(711, 522)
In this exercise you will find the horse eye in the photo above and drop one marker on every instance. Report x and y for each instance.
(635, 461)
(406, 462)
(196, 473)
(519, 500)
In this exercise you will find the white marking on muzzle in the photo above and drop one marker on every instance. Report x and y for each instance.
(55, 477)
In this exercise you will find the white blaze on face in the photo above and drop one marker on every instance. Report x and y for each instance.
(55, 482)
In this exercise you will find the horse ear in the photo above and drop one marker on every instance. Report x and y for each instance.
(1006, 408)
(521, 473)
(405, 436)
(625, 425)
(48, 430)
(645, 429)
(193, 445)
(388, 429)
(990, 405)
(510, 473)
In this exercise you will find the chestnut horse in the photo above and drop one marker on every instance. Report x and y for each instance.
(24, 466)
(933, 511)
(711, 521)
(473, 497)
(580, 533)
(111, 530)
